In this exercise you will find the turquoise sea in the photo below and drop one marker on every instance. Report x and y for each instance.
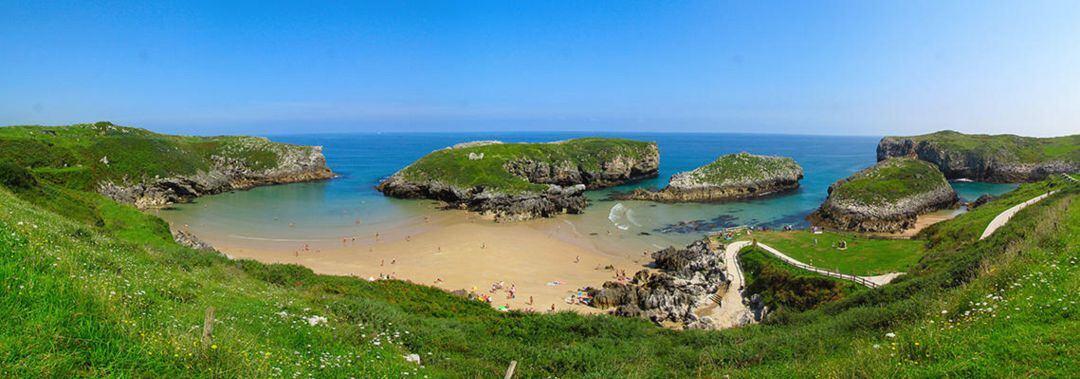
(350, 206)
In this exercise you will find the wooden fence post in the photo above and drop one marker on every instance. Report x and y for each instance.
(208, 328)
(510, 370)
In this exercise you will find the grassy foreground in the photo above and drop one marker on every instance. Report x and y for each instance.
(864, 256)
(97, 289)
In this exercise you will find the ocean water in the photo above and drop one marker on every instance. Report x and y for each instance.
(350, 206)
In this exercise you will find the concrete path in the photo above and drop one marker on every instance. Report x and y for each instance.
(869, 281)
(732, 312)
(1004, 217)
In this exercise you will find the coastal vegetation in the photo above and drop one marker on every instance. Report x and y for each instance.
(862, 255)
(141, 167)
(732, 176)
(886, 197)
(996, 158)
(90, 287)
(786, 287)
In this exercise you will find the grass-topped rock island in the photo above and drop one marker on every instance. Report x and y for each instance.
(732, 176)
(886, 197)
(517, 181)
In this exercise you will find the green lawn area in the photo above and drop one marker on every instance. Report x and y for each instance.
(864, 256)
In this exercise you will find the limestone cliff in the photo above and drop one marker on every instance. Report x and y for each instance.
(990, 158)
(293, 164)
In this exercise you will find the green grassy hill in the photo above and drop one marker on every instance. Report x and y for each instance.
(743, 168)
(97, 289)
(83, 154)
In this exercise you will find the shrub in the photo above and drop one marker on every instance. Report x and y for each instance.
(16, 177)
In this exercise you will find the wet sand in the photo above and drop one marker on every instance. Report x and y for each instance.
(545, 259)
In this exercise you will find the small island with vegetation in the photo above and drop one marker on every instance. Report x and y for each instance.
(517, 181)
(147, 169)
(730, 177)
(886, 197)
(1001, 158)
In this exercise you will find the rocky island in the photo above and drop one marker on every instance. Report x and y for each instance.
(516, 181)
(990, 158)
(148, 169)
(886, 197)
(730, 177)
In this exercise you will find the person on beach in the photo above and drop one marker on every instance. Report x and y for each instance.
(530, 300)
(577, 259)
(382, 263)
(392, 261)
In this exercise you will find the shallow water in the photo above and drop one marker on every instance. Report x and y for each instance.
(349, 205)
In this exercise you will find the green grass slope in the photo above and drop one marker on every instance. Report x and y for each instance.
(453, 166)
(81, 155)
(864, 256)
(116, 297)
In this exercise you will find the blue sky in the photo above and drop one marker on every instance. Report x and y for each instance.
(837, 67)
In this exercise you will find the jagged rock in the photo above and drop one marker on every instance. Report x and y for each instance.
(686, 279)
(982, 200)
(732, 176)
(984, 158)
(185, 238)
(295, 164)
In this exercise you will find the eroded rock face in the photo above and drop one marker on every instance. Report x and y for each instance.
(984, 167)
(566, 182)
(761, 176)
(686, 278)
(295, 164)
(185, 238)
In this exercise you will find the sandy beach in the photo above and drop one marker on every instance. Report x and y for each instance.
(546, 260)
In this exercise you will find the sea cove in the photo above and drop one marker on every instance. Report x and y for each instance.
(344, 226)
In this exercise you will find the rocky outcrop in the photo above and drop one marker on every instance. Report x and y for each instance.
(294, 164)
(185, 238)
(844, 211)
(734, 176)
(986, 165)
(565, 180)
(686, 278)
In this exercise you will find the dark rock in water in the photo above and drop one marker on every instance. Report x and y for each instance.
(982, 200)
(794, 220)
(644, 234)
(686, 279)
(698, 226)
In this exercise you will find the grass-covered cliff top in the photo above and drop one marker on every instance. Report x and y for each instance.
(96, 289)
(1006, 146)
(742, 168)
(888, 181)
(454, 166)
(77, 154)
